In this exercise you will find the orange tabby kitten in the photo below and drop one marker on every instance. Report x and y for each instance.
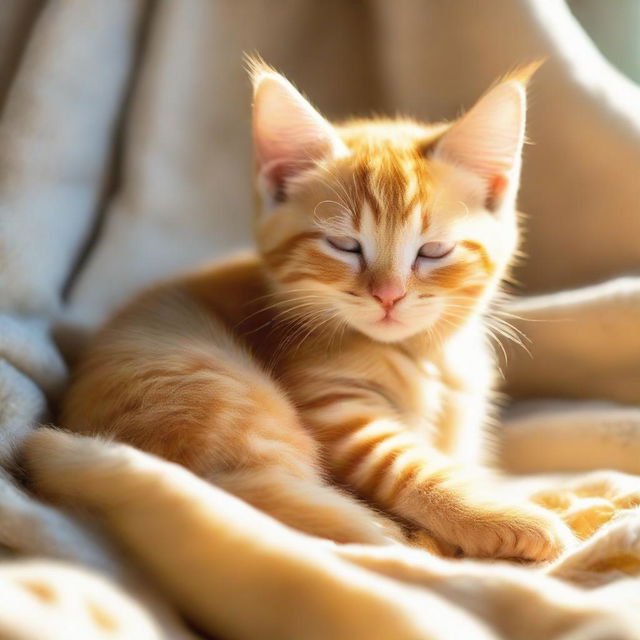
(352, 350)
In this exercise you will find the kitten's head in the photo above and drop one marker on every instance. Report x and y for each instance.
(391, 226)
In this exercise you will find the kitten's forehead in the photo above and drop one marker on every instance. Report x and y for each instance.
(393, 196)
(391, 184)
(390, 243)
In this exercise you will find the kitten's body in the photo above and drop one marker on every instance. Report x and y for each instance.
(276, 377)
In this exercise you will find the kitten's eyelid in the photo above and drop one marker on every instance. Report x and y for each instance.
(436, 250)
(344, 243)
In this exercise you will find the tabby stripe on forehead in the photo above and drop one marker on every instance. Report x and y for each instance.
(360, 186)
(382, 185)
(374, 207)
(386, 190)
(426, 220)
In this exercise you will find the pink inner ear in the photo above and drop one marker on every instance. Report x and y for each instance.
(274, 175)
(497, 186)
(289, 134)
(488, 139)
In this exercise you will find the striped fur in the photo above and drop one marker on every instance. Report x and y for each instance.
(337, 379)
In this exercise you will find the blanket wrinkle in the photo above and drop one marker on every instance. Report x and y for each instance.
(585, 435)
(15, 27)
(82, 568)
(22, 405)
(85, 605)
(25, 344)
(30, 528)
(506, 599)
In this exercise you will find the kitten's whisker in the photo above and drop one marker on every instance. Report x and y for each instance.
(313, 328)
(345, 192)
(276, 304)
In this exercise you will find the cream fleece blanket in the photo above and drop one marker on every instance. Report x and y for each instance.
(124, 157)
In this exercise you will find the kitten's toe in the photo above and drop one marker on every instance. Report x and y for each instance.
(524, 533)
(533, 534)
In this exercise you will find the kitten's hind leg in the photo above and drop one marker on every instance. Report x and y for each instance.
(257, 449)
(253, 445)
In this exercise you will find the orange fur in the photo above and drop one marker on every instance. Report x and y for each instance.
(282, 375)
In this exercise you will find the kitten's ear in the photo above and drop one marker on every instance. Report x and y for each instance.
(289, 135)
(488, 139)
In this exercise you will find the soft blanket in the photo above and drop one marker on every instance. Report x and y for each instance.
(124, 157)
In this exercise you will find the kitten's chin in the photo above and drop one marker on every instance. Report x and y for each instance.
(388, 331)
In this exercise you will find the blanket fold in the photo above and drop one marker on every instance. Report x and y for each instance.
(132, 493)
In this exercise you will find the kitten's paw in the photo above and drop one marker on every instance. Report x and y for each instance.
(523, 532)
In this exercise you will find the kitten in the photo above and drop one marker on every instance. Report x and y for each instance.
(351, 351)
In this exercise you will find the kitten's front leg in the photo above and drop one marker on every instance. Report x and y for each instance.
(385, 462)
(468, 508)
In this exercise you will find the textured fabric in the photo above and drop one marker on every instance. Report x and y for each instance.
(233, 570)
(125, 157)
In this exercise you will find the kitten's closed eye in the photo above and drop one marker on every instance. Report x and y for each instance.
(435, 250)
(344, 243)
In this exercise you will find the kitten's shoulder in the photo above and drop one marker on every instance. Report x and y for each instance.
(228, 285)
(223, 287)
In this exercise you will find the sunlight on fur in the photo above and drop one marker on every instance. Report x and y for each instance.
(340, 379)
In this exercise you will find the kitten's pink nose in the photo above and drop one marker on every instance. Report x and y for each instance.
(388, 293)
